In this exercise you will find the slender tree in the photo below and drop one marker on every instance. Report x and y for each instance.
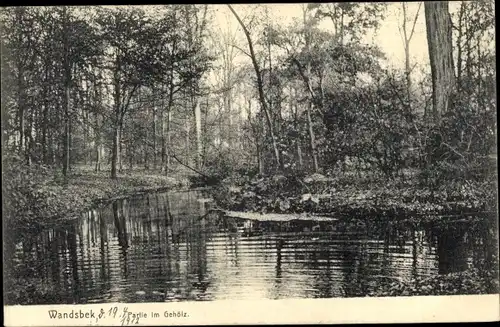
(260, 87)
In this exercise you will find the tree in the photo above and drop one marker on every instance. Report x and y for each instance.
(260, 86)
(67, 85)
(351, 20)
(439, 39)
(132, 63)
(195, 23)
(407, 36)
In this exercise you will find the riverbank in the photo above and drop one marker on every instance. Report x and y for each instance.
(359, 199)
(356, 203)
(37, 196)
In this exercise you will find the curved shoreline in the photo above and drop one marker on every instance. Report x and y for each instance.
(60, 202)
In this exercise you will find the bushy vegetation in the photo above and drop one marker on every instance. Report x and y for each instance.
(469, 282)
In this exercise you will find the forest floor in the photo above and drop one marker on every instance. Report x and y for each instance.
(37, 196)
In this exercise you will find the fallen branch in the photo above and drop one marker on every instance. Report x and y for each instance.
(276, 216)
(187, 166)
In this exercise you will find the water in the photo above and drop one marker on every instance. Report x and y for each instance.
(164, 247)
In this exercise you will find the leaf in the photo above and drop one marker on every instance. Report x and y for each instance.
(315, 199)
(305, 197)
(284, 204)
(248, 194)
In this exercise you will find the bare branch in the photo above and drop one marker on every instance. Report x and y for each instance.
(415, 21)
(237, 47)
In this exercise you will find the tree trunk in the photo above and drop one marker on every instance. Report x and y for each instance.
(407, 69)
(295, 110)
(67, 85)
(116, 122)
(305, 77)
(163, 141)
(188, 145)
(260, 165)
(130, 157)
(459, 46)
(154, 134)
(260, 89)
(29, 136)
(439, 38)
(97, 127)
(169, 144)
(20, 103)
(45, 118)
(120, 146)
(114, 153)
(300, 161)
(199, 146)
(66, 149)
(145, 149)
(312, 139)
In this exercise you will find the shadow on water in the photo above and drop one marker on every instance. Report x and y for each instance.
(165, 247)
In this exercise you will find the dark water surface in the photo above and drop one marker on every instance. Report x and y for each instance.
(163, 247)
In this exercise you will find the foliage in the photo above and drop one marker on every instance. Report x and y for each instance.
(339, 197)
(459, 148)
(471, 281)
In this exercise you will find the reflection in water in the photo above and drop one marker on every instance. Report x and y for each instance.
(165, 247)
(452, 250)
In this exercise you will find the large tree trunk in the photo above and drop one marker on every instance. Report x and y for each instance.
(439, 38)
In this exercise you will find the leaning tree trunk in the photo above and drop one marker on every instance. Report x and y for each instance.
(439, 39)
(260, 86)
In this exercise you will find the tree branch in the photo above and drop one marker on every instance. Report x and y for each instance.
(237, 47)
(415, 21)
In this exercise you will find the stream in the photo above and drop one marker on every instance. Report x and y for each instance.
(166, 246)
